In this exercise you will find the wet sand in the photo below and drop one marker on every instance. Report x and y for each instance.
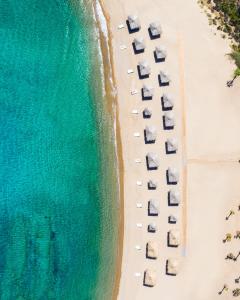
(112, 107)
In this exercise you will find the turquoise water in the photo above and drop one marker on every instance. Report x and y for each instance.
(53, 189)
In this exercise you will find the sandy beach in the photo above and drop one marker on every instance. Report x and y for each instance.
(207, 129)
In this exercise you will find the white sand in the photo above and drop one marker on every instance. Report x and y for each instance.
(208, 130)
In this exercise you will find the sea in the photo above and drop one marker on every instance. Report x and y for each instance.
(58, 179)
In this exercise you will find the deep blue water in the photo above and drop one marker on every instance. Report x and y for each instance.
(50, 156)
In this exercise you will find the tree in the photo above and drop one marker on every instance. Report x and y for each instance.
(235, 56)
(237, 72)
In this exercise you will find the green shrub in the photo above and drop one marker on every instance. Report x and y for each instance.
(231, 13)
(235, 56)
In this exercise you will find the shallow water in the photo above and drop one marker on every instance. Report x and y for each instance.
(54, 205)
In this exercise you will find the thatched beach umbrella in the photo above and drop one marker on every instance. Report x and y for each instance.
(172, 176)
(147, 113)
(155, 30)
(167, 101)
(153, 207)
(152, 250)
(174, 238)
(150, 134)
(139, 45)
(237, 236)
(173, 198)
(147, 92)
(228, 238)
(152, 161)
(160, 53)
(168, 121)
(152, 185)
(164, 78)
(230, 256)
(172, 219)
(236, 292)
(133, 23)
(225, 288)
(150, 278)
(152, 227)
(171, 145)
(172, 266)
(143, 69)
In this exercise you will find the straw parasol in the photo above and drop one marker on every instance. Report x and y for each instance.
(143, 69)
(153, 207)
(152, 227)
(150, 278)
(172, 266)
(173, 238)
(154, 30)
(152, 250)
(236, 292)
(172, 219)
(139, 45)
(147, 92)
(160, 53)
(167, 101)
(147, 113)
(237, 236)
(133, 23)
(150, 134)
(173, 198)
(172, 176)
(164, 78)
(228, 238)
(152, 161)
(168, 121)
(171, 145)
(152, 185)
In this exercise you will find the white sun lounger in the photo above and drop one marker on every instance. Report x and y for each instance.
(139, 205)
(123, 47)
(138, 247)
(138, 160)
(139, 225)
(134, 92)
(121, 26)
(135, 112)
(137, 274)
(136, 134)
(130, 71)
(139, 182)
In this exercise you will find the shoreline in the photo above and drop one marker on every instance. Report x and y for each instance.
(111, 96)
